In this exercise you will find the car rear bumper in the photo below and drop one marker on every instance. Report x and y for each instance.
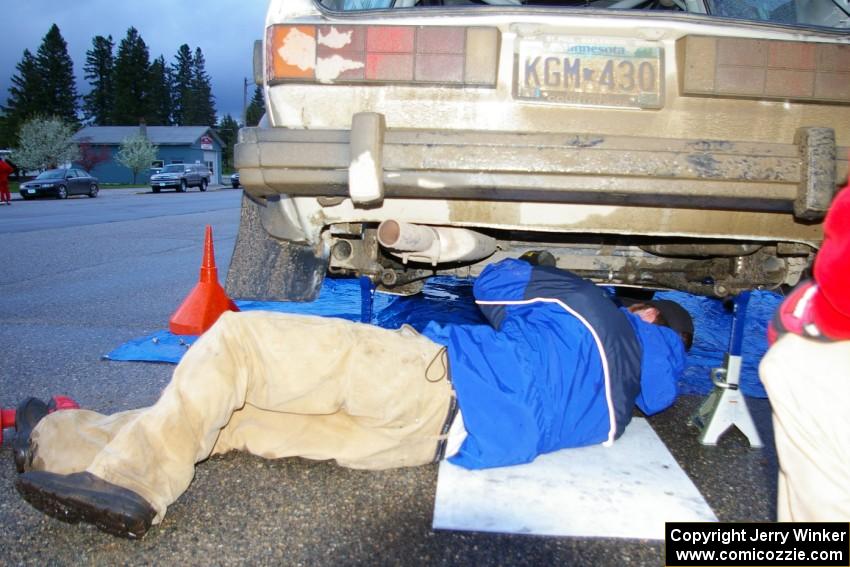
(370, 164)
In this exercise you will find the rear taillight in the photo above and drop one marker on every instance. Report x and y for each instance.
(441, 55)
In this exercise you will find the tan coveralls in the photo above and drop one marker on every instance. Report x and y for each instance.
(275, 385)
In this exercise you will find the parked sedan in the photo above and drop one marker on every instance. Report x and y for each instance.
(60, 183)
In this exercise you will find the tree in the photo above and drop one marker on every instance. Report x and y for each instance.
(44, 83)
(56, 72)
(256, 109)
(182, 85)
(90, 155)
(194, 103)
(228, 131)
(136, 153)
(7, 136)
(204, 114)
(45, 143)
(131, 72)
(23, 102)
(100, 68)
(159, 93)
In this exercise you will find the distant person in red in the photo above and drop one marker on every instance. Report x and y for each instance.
(5, 170)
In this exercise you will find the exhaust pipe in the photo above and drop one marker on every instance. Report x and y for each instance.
(434, 244)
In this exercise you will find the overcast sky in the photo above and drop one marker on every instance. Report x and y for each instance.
(225, 31)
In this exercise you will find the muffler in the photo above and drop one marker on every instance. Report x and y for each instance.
(434, 244)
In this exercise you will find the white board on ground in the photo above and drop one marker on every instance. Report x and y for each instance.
(628, 490)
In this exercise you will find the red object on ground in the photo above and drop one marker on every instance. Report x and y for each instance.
(7, 416)
(206, 302)
(62, 402)
(7, 419)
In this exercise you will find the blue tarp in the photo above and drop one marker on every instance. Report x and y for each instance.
(449, 300)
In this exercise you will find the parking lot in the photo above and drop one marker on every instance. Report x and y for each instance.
(82, 276)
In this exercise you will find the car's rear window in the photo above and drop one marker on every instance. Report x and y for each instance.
(818, 13)
(822, 13)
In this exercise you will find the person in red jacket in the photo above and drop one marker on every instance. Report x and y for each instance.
(5, 170)
(806, 373)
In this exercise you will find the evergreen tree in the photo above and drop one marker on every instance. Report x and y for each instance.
(159, 93)
(44, 83)
(204, 114)
(181, 71)
(23, 102)
(7, 136)
(256, 109)
(228, 130)
(56, 71)
(132, 66)
(99, 68)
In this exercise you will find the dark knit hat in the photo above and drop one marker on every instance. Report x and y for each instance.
(677, 317)
(831, 303)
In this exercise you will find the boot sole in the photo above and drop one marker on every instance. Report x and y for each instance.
(29, 412)
(77, 508)
(22, 454)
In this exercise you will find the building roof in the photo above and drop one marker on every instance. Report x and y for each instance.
(158, 135)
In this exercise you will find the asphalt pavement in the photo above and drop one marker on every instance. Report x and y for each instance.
(81, 276)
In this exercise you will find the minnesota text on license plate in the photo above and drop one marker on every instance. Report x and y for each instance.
(575, 71)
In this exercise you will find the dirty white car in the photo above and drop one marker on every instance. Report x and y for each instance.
(685, 144)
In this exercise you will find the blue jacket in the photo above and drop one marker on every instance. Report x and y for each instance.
(560, 365)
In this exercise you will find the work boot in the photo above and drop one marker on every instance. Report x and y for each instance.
(27, 415)
(84, 497)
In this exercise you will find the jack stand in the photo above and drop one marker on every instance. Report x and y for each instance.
(726, 405)
(367, 299)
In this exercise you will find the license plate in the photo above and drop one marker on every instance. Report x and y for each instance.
(31, 191)
(590, 72)
(162, 184)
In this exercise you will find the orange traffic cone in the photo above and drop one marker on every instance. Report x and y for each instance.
(204, 304)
